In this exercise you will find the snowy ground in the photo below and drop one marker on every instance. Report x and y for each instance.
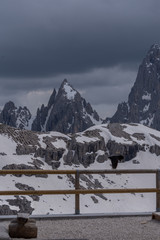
(52, 204)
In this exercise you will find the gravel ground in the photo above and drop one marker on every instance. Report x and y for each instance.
(116, 228)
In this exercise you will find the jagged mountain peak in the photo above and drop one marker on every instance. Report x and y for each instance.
(153, 52)
(10, 105)
(67, 90)
(155, 46)
(143, 101)
(153, 56)
(66, 112)
(65, 81)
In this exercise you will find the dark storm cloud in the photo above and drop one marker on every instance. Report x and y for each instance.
(96, 44)
(46, 38)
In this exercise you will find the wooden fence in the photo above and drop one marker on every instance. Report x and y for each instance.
(77, 191)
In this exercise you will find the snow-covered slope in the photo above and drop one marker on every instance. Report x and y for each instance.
(24, 149)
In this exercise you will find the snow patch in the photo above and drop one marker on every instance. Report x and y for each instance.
(148, 121)
(88, 116)
(59, 143)
(146, 96)
(95, 122)
(146, 108)
(70, 92)
(149, 65)
(48, 115)
(83, 139)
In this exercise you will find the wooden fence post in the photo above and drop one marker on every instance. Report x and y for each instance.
(158, 188)
(77, 200)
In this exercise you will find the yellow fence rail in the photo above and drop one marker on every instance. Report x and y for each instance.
(77, 191)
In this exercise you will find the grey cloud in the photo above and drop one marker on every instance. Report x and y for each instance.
(43, 39)
(103, 77)
(103, 88)
(105, 110)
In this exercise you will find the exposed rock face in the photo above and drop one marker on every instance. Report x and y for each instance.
(24, 166)
(85, 153)
(15, 117)
(129, 151)
(143, 104)
(5, 210)
(66, 112)
(25, 149)
(21, 202)
(94, 144)
(21, 186)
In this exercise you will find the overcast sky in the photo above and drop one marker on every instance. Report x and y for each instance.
(96, 44)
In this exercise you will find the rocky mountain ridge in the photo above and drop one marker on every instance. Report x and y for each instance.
(143, 104)
(66, 112)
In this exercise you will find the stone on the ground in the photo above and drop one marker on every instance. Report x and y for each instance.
(23, 227)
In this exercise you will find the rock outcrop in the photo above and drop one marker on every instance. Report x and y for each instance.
(94, 144)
